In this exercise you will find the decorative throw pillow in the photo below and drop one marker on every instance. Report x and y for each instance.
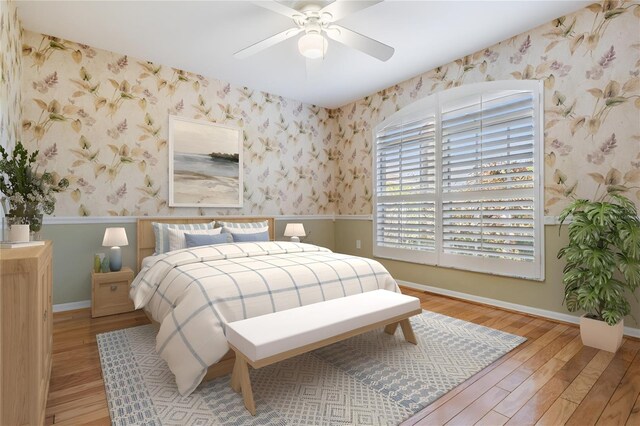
(243, 228)
(246, 237)
(176, 236)
(162, 235)
(196, 240)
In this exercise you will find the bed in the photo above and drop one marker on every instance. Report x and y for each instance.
(193, 293)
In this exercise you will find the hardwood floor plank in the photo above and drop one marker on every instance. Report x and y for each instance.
(71, 393)
(519, 397)
(516, 378)
(70, 380)
(81, 406)
(479, 408)
(634, 417)
(517, 325)
(550, 336)
(574, 367)
(492, 419)
(582, 384)
(558, 414)
(571, 349)
(623, 399)
(539, 403)
(541, 328)
(589, 410)
(98, 417)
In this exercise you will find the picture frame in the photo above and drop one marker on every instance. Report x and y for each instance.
(205, 164)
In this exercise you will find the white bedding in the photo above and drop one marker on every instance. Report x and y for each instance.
(194, 292)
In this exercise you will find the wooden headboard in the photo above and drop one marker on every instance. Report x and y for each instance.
(147, 239)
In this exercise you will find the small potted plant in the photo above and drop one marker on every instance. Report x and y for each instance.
(603, 265)
(26, 194)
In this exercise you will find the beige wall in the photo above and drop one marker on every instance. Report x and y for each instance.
(546, 295)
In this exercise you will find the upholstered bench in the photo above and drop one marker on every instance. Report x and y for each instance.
(267, 339)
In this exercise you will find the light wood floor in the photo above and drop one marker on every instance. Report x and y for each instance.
(549, 380)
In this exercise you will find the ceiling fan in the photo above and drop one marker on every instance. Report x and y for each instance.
(315, 22)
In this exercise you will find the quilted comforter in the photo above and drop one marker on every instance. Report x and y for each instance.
(194, 292)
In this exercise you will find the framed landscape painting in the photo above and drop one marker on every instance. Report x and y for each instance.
(205, 164)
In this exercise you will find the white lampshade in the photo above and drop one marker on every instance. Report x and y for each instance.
(115, 237)
(294, 230)
(312, 45)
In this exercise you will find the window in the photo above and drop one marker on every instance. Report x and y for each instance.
(458, 180)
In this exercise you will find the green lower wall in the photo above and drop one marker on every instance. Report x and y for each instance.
(545, 294)
(73, 249)
(74, 246)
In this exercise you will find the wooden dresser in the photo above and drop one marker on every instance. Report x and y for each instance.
(26, 334)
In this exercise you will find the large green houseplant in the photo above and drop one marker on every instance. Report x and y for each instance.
(603, 264)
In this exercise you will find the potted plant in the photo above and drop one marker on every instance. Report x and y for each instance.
(603, 265)
(26, 194)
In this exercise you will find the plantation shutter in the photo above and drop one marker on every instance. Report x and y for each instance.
(405, 188)
(488, 192)
(458, 180)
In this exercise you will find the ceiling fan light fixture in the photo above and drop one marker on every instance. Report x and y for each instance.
(312, 45)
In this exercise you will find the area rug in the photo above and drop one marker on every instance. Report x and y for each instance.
(371, 379)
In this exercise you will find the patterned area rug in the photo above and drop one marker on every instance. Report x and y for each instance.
(372, 379)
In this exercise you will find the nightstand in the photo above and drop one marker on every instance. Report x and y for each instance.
(110, 292)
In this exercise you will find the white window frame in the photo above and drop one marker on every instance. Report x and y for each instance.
(529, 270)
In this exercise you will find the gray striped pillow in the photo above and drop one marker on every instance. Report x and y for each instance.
(243, 228)
(161, 232)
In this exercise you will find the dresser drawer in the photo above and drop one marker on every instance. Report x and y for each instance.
(110, 293)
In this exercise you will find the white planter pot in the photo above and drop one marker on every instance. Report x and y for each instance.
(600, 335)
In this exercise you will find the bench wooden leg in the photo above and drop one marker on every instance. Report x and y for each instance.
(245, 384)
(391, 328)
(235, 376)
(407, 330)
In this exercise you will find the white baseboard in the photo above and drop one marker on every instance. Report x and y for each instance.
(61, 307)
(558, 316)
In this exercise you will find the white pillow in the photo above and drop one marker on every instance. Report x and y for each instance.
(177, 240)
(162, 236)
(244, 227)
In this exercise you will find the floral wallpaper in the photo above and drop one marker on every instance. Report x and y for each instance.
(10, 74)
(590, 64)
(100, 119)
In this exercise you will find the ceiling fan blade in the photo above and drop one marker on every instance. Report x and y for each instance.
(360, 42)
(280, 8)
(266, 43)
(340, 9)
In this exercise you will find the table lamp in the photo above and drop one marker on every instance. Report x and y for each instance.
(295, 231)
(115, 238)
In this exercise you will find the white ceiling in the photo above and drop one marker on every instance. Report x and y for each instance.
(201, 37)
